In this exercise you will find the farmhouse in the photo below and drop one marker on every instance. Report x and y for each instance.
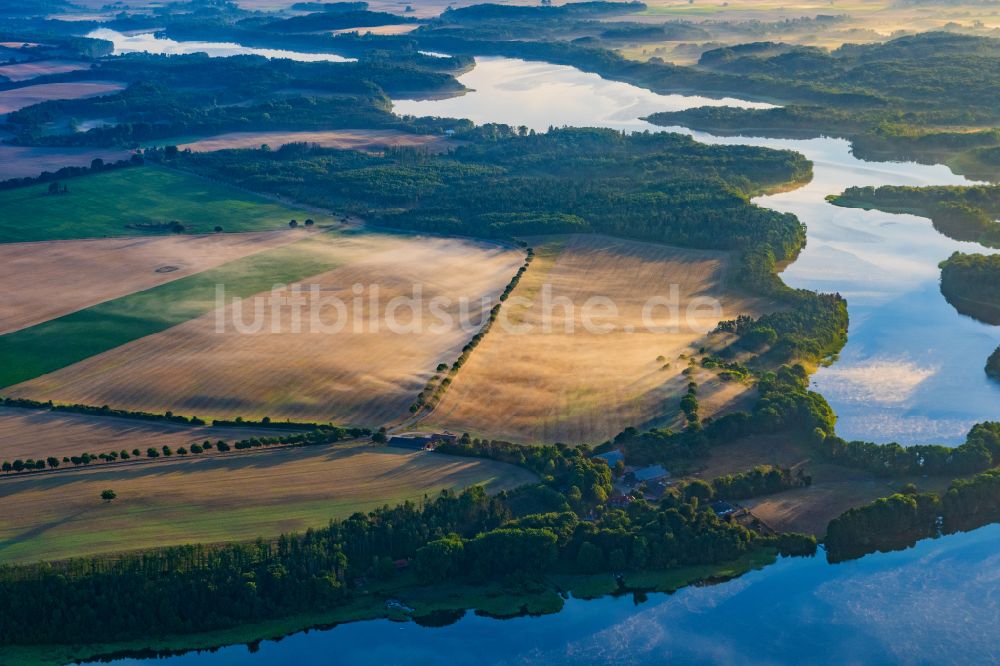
(722, 508)
(651, 474)
(612, 458)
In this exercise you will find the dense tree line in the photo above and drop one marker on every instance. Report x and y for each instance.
(914, 98)
(993, 364)
(980, 451)
(315, 437)
(239, 421)
(813, 328)
(761, 480)
(105, 410)
(492, 11)
(566, 469)
(785, 405)
(339, 20)
(898, 521)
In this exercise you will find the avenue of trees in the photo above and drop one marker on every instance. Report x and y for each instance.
(310, 438)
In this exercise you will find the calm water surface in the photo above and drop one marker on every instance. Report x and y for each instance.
(149, 43)
(933, 604)
(912, 370)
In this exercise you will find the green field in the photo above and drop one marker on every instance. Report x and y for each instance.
(206, 500)
(54, 344)
(103, 204)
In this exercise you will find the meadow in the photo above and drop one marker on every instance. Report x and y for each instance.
(360, 374)
(232, 497)
(585, 386)
(100, 205)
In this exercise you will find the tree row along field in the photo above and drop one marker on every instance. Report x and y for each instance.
(357, 375)
(38, 434)
(230, 497)
(575, 385)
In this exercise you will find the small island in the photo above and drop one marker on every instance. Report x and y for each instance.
(960, 213)
(970, 283)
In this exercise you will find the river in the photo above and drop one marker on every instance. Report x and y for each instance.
(912, 371)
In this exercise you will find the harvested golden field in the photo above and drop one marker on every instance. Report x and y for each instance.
(229, 497)
(23, 71)
(18, 98)
(584, 385)
(342, 139)
(38, 434)
(364, 373)
(58, 277)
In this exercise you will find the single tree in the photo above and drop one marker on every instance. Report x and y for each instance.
(108, 495)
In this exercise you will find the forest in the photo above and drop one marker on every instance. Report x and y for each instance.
(184, 94)
(915, 97)
(657, 187)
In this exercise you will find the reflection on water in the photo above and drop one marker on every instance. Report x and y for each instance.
(912, 370)
(932, 604)
(149, 43)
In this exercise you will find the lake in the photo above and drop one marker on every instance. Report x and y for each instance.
(148, 42)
